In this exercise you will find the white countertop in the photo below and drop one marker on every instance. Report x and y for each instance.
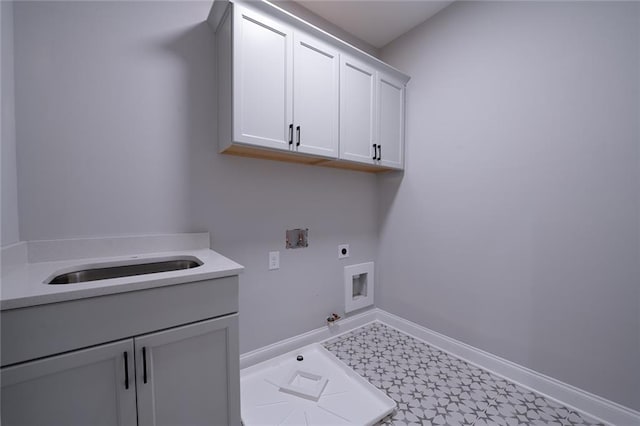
(24, 285)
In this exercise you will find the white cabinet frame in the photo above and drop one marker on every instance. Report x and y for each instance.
(262, 80)
(391, 120)
(316, 89)
(358, 112)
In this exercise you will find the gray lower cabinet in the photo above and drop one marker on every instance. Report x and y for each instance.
(183, 375)
(84, 387)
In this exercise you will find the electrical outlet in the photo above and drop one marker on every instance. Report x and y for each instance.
(274, 260)
(343, 251)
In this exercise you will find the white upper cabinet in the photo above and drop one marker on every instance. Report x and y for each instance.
(290, 91)
(315, 103)
(262, 80)
(390, 121)
(285, 87)
(357, 111)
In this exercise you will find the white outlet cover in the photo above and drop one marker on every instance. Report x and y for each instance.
(343, 247)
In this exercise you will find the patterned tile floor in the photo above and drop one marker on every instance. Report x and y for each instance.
(434, 388)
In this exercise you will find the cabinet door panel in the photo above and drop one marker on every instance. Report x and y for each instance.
(85, 387)
(391, 121)
(315, 103)
(192, 375)
(357, 111)
(262, 80)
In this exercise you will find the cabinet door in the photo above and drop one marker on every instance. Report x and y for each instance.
(85, 387)
(315, 103)
(189, 375)
(391, 121)
(262, 83)
(357, 110)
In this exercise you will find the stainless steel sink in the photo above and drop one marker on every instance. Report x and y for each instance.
(104, 273)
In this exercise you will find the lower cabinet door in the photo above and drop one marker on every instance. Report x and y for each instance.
(189, 375)
(93, 386)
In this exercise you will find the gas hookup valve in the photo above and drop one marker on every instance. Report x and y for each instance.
(331, 319)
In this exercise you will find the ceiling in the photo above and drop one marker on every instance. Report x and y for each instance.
(376, 22)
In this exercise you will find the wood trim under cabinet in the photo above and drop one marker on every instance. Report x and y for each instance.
(294, 157)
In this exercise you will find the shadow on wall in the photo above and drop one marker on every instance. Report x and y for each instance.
(221, 188)
(389, 185)
(195, 47)
(389, 182)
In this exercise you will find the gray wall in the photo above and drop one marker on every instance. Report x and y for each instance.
(303, 13)
(117, 135)
(516, 225)
(9, 202)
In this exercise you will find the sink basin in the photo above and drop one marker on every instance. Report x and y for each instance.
(119, 271)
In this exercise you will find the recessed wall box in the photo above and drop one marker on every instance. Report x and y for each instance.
(358, 286)
(297, 238)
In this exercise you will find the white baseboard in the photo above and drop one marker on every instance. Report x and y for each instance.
(314, 336)
(602, 409)
(571, 396)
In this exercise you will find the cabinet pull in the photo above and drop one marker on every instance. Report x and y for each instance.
(126, 370)
(144, 364)
(375, 151)
(379, 152)
(298, 132)
(290, 134)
